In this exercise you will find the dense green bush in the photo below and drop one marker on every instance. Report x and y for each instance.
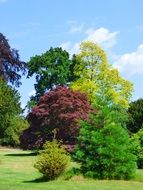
(104, 149)
(52, 161)
(17, 125)
(137, 145)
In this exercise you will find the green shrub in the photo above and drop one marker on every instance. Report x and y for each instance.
(52, 161)
(103, 149)
(17, 125)
(137, 145)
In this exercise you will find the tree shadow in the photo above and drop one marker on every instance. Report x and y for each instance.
(22, 154)
(38, 180)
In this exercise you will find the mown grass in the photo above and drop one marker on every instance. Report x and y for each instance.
(17, 173)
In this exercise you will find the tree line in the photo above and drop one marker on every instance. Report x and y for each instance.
(80, 100)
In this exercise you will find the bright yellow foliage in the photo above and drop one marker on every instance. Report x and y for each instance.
(98, 78)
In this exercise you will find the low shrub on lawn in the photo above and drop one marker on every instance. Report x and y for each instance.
(52, 161)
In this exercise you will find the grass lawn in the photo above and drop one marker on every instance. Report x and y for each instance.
(17, 173)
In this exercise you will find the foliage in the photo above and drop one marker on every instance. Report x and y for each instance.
(135, 113)
(52, 161)
(10, 65)
(31, 104)
(17, 125)
(58, 109)
(51, 69)
(137, 145)
(103, 149)
(98, 78)
(9, 106)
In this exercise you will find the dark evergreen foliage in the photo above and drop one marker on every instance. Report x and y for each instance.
(135, 113)
(103, 149)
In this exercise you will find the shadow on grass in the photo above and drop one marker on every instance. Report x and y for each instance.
(38, 180)
(22, 154)
(68, 175)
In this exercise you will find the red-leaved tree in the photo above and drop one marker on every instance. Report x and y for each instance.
(58, 110)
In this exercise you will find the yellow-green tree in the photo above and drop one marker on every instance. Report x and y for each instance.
(98, 78)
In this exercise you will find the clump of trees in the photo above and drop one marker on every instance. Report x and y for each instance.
(9, 114)
(11, 69)
(58, 110)
(103, 144)
(80, 101)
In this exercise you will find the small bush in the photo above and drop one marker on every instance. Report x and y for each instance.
(52, 161)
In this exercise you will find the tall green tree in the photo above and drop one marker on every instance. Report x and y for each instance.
(9, 106)
(104, 150)
(135, 113)
(51, 69)
(98, 78)
(11, 67)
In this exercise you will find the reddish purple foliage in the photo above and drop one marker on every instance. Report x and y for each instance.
(11, 67)
(59, 109)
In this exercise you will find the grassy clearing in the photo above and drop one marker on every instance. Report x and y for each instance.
(17, 173)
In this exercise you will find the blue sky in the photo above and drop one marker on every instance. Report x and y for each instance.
(33, 26)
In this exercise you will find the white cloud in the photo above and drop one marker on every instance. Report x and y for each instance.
(66, 45)
(102, 36)
(76, 28)
(31, 93)
(75, 48)
(71, 48)
(131, 63)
